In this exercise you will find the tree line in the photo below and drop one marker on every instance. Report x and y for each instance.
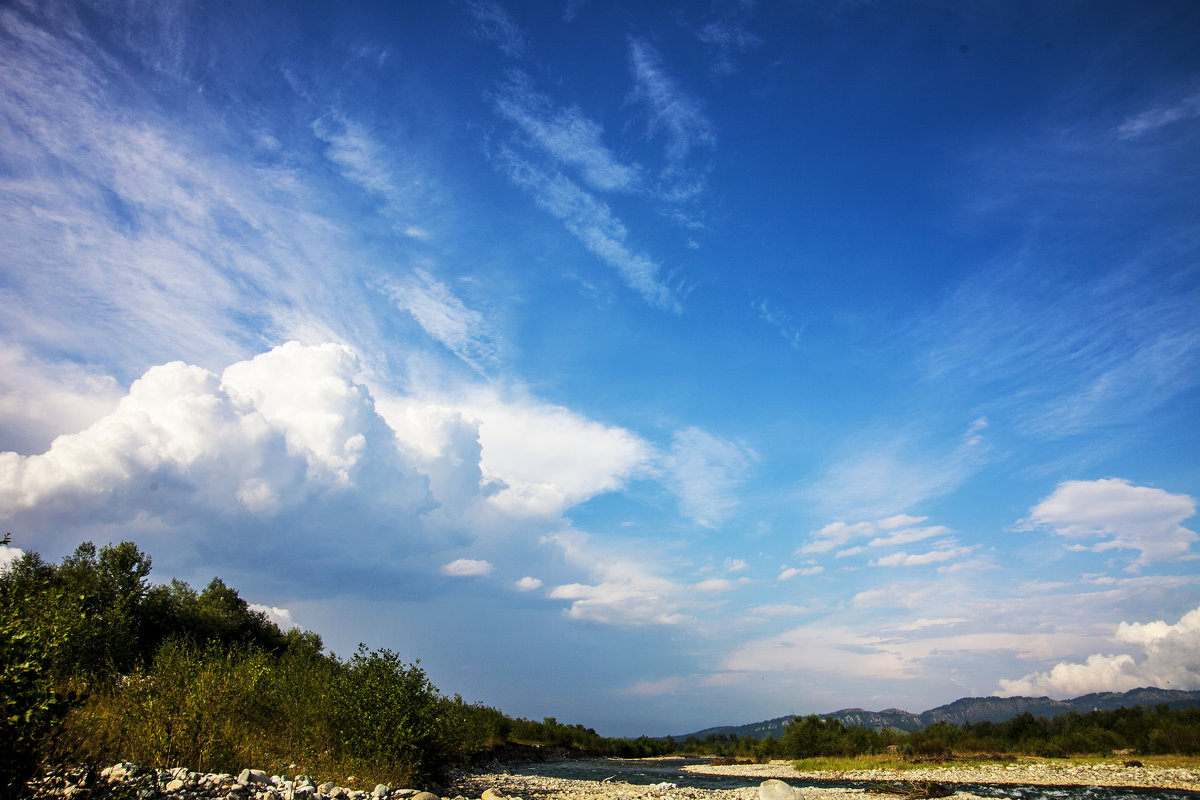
(1158, 730)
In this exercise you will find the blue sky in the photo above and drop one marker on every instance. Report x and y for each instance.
(649, 366)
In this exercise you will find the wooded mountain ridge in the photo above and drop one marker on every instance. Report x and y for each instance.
(969, 709)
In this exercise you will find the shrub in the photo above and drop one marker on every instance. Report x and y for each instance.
(32, 707)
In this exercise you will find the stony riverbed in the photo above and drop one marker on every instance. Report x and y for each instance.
(129, 782)
(1032, 772)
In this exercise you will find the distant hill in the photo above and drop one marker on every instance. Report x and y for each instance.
(969, 709)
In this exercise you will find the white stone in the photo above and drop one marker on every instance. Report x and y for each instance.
(775, 789)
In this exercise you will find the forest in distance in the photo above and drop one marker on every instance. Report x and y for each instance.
(97, 665)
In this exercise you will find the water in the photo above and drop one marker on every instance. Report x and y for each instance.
(645, 773)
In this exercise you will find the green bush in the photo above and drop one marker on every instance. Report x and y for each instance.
(385, 714)
(32, 707)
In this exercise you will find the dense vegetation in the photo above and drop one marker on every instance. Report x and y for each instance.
(98, 665)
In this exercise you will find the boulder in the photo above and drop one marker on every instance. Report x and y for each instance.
(425, 796)
(775, 789)
(491, 794)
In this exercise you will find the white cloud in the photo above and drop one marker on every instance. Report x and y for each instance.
(1170, 659)
(467, 568)
(839, 533)
(43, 399)
(528, 584)
(1124, 516)
(269, 435)
(791, 572)
(903, 559)
(548, 457)
(735, 565)
(706, 471)
(908, 535)
(280, 616)
(625, 591)
(444, 317)
(9, 554)
(904, 651)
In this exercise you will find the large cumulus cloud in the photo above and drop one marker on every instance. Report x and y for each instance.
(286, 457)
(269, 434)
(1170, 658)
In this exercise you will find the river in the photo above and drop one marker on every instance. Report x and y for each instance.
(649, 772)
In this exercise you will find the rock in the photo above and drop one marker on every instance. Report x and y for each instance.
(775, 789)
(117, 772)
(491, 794)
(403, 793)
(175, 785)
(255, 776)
(380, 791)
(425, 796)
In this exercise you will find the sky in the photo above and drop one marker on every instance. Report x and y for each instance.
(651, 366)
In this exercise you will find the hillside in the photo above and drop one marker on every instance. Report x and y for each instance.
(969, 709)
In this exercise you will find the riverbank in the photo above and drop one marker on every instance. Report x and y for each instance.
(1029, 772)
(533, 787)
(1038, 772)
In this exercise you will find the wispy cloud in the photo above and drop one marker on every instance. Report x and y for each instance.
(1154, 118)
(897, 472)
(726, 38)
(565, 134)
(593, 224)
(706, 471)
(779, 320)
(493, 23)
(688, 135)
(444, 317)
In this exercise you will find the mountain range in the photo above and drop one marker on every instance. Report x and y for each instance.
(968, 709)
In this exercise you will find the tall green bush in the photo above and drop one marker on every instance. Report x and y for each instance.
(386, 714)
(32, 704)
